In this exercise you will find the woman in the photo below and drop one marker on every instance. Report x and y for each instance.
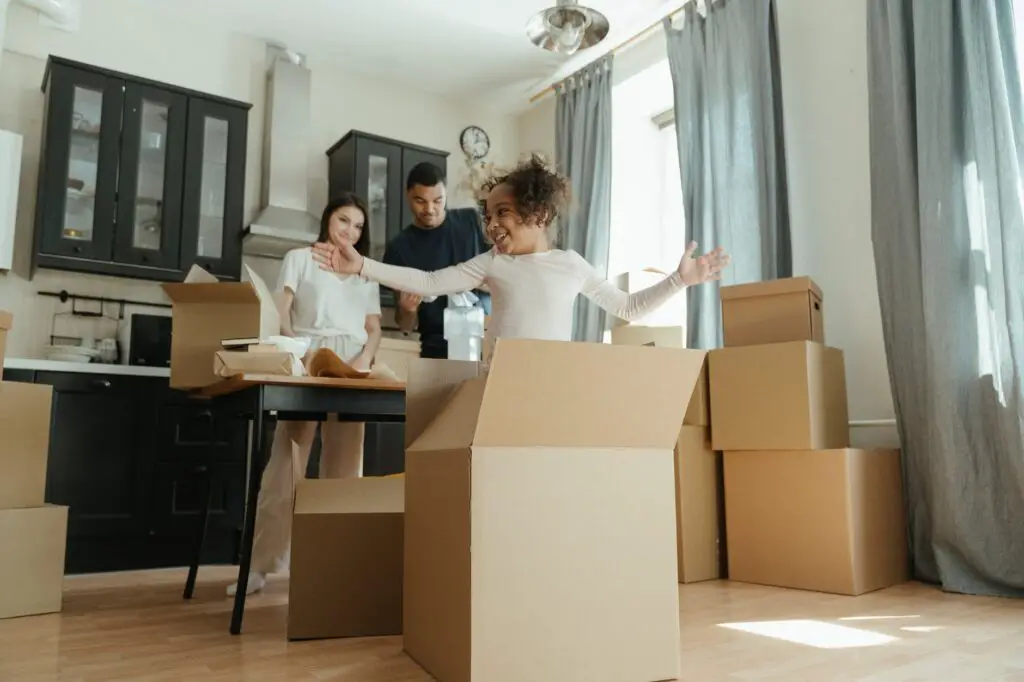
(339, 313)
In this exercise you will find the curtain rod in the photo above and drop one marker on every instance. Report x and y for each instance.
(636, 37)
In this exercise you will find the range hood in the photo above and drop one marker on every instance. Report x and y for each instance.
(284, 224)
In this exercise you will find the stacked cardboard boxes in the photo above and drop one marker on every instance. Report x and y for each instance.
(698, 467)
(32, 534)
(803, 509)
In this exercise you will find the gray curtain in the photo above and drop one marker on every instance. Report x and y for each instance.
(728, 117)
(948, 233)
(583, 148)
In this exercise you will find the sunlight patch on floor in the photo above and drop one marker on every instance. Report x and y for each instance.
(813, 633)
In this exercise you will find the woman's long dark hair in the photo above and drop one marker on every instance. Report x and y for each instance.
(342, 200)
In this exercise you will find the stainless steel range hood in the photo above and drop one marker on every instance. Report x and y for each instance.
(284, 223)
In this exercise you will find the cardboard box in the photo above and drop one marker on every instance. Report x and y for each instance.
(228, 363)
(826, 520)
(782, 396)
(32, 560)
(6, 323)
(772, 312)
(24, 443)
(396, 354)
(205, 312)
(672, 313)
(346, 558)
(556, 468)
(698, 412)
(697, 503)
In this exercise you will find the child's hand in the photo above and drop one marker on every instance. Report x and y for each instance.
(704, 268)
(344, 260)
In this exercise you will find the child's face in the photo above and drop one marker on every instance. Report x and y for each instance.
(506, 228)
(346, 225)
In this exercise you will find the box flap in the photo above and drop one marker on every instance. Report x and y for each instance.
(270, 319)
(429, 385)
(560, 394)
(221, 292)
(370, 495)
(197, 275)
(455, 424)
(6, 320)
(773, 287)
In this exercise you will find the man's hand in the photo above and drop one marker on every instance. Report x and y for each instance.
(409, 302)
(344, 259)
(703, 268)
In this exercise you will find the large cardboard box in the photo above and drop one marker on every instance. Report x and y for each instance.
(6, 323)
(826, 520)
(206, 312)
(346, 559)
(556, 468)
(697, 412)
(781, 396)
(32, 560)
(697, 506)
(24, 443)
(772, 312)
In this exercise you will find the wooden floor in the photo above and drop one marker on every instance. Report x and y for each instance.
(136, 627)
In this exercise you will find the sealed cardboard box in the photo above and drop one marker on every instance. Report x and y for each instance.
(6, 323)
(697, 412)
(207, 312)
(697, 504)
(556, 468)
(672, 313)
(24, 443)
(346, 559)
(32, 560)
(827, 520)
(781, 396)
(229, 363)
(772, 312)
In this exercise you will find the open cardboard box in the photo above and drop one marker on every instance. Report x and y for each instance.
(207, 311)
(557, 469)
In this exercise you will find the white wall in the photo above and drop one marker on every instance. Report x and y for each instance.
(823, 50)
(121, 35)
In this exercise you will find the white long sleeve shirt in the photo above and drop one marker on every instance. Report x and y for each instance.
(532, 295)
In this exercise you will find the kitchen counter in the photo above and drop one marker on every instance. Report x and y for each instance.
(85, 367)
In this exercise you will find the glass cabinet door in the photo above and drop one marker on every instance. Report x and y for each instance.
(214, 188)
(151, 173)
(79, 170)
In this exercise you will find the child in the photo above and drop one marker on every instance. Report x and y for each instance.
(533, 287)
(339, 313)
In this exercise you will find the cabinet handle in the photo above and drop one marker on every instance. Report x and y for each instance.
(100, 383)
(77, 249)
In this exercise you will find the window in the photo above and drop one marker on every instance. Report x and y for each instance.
(647, 224)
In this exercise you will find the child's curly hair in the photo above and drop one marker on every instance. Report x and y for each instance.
(538, 190)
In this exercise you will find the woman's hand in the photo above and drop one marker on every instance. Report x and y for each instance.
(344, 259)
(703, 268)
(361, 362)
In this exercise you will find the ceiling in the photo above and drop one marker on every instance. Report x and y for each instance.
(465, 48)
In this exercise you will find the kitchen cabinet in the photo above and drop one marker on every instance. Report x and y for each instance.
(376, 169)
(137, 178)
(128, 457)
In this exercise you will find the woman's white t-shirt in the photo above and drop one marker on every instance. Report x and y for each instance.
(326, 304)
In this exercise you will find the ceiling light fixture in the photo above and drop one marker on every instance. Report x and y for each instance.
(567, 27)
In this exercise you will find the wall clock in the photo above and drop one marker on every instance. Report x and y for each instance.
(475, 143)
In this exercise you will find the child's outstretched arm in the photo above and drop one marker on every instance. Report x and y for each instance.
(629, 307)
(451, 280)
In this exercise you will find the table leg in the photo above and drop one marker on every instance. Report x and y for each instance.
(257, 461)
(204, 517)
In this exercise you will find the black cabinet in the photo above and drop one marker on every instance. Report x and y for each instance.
(376, 169)
(129, 457)
(138, 179)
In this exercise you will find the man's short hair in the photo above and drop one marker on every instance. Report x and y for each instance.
(426, 174)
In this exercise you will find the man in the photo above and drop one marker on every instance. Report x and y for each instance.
(438, 238)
